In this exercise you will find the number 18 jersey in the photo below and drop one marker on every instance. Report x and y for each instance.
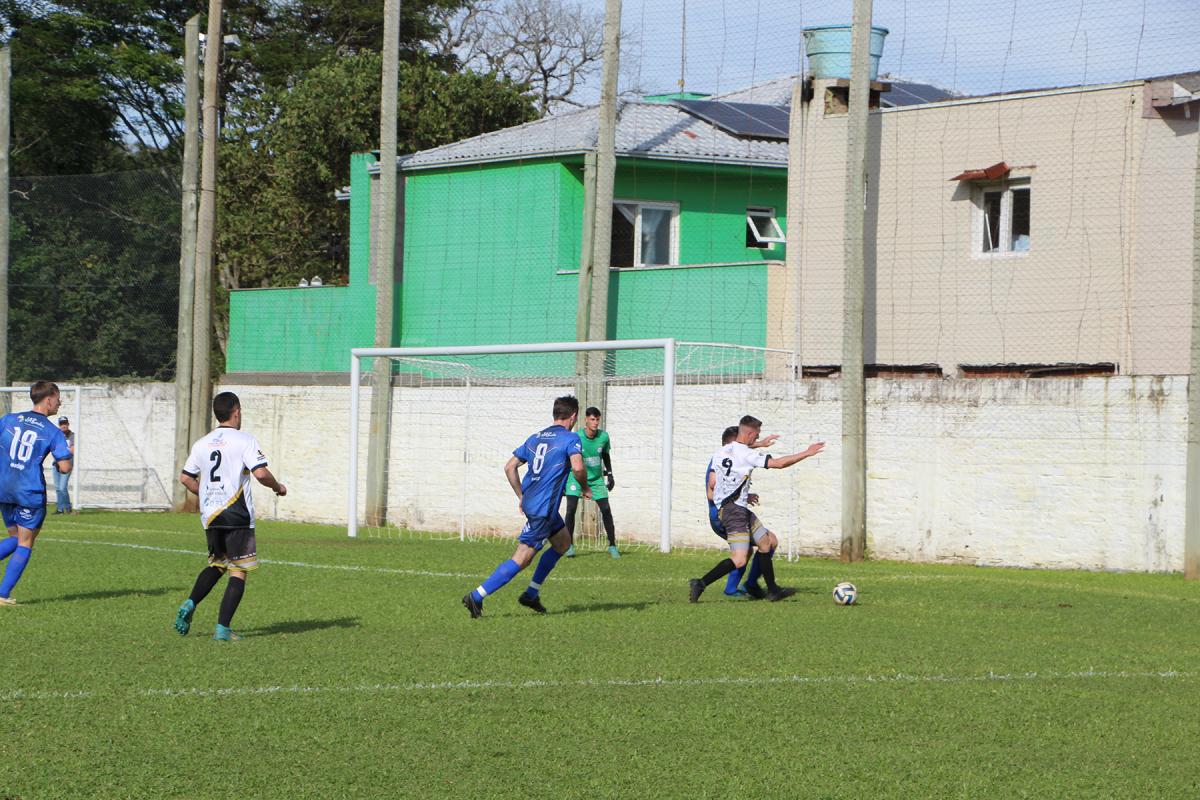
(25, 441)
(222, 461)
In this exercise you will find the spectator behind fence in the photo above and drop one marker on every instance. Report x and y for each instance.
(62, 503)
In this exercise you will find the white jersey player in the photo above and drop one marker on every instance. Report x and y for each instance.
(218, 471)
(729, 487)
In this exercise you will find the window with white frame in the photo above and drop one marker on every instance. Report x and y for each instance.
(1002, 218)
(762, 228)
(644, 234)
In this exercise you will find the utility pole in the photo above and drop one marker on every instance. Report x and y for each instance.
(854, 453)
(5, 105)
(1191, 537)
(187, 254)
(206, 232)
(380, 429)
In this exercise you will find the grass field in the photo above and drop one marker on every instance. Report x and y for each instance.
(361, 675)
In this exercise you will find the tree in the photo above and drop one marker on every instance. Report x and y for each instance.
(553, 46)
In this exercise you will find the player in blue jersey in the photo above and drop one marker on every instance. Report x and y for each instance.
(27, 437)
(552, 454)
(752, 589)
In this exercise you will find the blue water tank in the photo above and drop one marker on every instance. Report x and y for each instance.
(828, 48)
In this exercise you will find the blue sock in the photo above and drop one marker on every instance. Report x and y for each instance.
(503, 574)
(12, 574)
(735, 577)
(754, 572)
(545, 564)
(7, 546)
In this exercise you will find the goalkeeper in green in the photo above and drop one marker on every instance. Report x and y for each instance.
(597, 460)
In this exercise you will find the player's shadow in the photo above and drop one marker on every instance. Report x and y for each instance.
(112, 594)
(640, 605)
(302, 626)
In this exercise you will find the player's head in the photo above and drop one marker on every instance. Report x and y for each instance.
(228, 409)
(566, 410)
(748, 429)
(45, 397)
(591, 420)
(729, 435)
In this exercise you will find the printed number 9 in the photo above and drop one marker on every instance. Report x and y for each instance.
(539, 458)
(727, 463)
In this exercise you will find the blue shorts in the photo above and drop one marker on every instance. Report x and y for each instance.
(538, 529)
(24, 516)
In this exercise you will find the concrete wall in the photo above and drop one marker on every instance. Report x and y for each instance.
(1084, 472)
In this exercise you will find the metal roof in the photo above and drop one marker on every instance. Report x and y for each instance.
(778, 92)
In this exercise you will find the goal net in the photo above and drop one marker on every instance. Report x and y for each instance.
(456, 415)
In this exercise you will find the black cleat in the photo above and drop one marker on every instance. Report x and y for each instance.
(755, 592)
(532, 603)
(697, 588)
(780, 593)
(475, 607)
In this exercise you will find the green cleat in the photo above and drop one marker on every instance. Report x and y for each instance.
(183, 617)
(224, 634)
(570, 552)
(613, 551)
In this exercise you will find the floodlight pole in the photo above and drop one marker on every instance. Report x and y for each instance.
(1191, 537)
(854, 460)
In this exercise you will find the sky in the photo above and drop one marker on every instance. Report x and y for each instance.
(970, 46)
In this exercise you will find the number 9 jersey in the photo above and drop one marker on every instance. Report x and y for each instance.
(27, 438)
(733, 464)
(222, 461)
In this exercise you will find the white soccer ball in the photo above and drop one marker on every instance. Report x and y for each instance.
(845, 594)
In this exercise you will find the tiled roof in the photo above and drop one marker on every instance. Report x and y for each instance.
(649, 130)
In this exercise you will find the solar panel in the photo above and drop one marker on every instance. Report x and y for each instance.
(752, 120)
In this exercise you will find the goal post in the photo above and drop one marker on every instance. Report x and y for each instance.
(667, 346)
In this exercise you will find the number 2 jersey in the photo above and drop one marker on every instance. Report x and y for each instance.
(223, 461)
(27, 438)
(548, 455)
(733, 464)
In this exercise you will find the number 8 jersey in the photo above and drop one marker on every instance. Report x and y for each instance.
(223, 461)
(733, 464)
(27, 438)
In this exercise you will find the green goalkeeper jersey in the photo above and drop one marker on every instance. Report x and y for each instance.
(593, 462)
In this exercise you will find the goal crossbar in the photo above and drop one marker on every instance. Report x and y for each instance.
(666, 345)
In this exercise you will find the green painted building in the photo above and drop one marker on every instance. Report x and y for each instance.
(490, 239)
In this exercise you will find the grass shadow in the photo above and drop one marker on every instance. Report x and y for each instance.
(640, 605)
(302, 626)
(112, 594)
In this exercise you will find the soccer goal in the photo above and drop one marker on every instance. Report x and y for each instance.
(430, 464)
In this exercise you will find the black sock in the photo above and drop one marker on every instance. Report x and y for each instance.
(610, 529)
(229, 603)
(572, 506)
(205, 582)
(767, 567)
(719, 571)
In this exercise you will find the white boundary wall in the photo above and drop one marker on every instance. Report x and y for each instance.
(1061, 472)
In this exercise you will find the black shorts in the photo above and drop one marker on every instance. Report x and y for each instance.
(232, 548)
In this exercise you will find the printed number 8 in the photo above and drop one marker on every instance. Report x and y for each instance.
(539, 458)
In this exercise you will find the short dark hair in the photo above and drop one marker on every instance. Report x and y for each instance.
(592, 411)
(750, 422)
(565, 406)
(729, 435)
(224, 405)
(41, 390)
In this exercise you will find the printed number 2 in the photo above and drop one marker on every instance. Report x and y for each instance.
(539, 458)
(216, 459)
(727, 463)
(22, 444)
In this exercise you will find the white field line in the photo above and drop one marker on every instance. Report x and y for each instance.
(899, 678)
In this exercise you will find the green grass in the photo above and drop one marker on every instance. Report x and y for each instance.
(373, 682)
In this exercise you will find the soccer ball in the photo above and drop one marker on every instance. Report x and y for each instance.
(844, 594)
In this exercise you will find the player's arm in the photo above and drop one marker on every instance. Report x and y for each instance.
(580, 473)
(608, 473)
(510, 472)
(795, 458)
(765, 441)
(264, 476)
(64, 465)
(712, 484)
(190, 482)
(63, 453)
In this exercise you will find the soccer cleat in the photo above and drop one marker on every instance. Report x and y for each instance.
(696, 588)
(613, 551)
(737, 594)
(8, 601)
(183, 617)
(780, 593)
(754, 591)
(570, 552)
(531, 602)
(475, 607)
(224, 634)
